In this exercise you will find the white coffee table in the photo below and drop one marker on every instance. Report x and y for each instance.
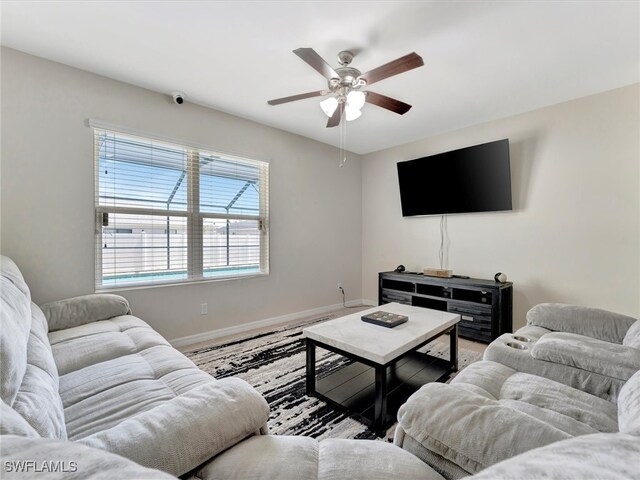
(387, 367)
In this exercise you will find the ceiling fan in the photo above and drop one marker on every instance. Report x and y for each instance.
(345, 85)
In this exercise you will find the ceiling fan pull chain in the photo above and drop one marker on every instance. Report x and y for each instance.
(343, 142)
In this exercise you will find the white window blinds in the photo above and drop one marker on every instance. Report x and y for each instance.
(168, 213)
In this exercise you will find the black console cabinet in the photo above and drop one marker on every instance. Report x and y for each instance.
(485, 306)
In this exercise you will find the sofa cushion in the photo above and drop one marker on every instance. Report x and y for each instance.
(114, 369)
(78, 347)
(603, 456)
(272, 458)
(368, 460)
(471, 430)
(490, 412)
(566, 408)
(303, 458)
(12, 423)
(487, 376)
(629, 406)
(38, 399)
(591, 322)
(632, 338)
(444, 467)
(55, 459)
(76, 311)
(15, 318)
(586, 353)
(29, 376)
(180, 434)
(522, 360)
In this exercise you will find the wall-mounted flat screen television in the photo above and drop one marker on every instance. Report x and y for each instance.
(471, 179)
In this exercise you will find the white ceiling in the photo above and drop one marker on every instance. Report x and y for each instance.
(483, 60)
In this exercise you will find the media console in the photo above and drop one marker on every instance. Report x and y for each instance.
(485, 306)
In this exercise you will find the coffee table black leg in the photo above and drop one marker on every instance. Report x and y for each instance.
(380, 409)
(311, 366)
(453, 347)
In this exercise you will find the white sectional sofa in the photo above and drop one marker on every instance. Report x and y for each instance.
(83, 380)
(90, 391)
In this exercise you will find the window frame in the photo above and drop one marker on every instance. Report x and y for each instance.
(195, 218)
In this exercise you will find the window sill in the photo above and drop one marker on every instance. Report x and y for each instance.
(122, 288)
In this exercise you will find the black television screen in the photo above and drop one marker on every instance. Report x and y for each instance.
(472, 179)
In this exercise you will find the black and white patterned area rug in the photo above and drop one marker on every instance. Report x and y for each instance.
(274, 363)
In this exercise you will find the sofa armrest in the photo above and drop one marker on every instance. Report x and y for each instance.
(184, 432)
(590, 322)
(76, 311)
(469, 429)
(24, 457)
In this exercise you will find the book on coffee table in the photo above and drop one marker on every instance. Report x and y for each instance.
(385, 319)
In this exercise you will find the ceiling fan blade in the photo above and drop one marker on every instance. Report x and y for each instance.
(387, 102)
(400, 65)
(334, 121)
(293, 98)
(310, 56)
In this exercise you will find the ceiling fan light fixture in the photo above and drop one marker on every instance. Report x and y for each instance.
(329, 106)
(355, 102)
(351, 114)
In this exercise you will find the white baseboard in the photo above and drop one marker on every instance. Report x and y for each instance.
(370, 303)
(267, 322)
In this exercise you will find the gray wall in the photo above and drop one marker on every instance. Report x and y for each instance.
(574, 234)
(47, 198)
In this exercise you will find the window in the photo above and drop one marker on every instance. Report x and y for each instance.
(168, 213)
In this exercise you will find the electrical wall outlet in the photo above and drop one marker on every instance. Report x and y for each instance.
(204, 308)
(339, 285)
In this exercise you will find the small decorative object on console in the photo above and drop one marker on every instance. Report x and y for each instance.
(384, 319)
(500, 277)
(438, 272)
